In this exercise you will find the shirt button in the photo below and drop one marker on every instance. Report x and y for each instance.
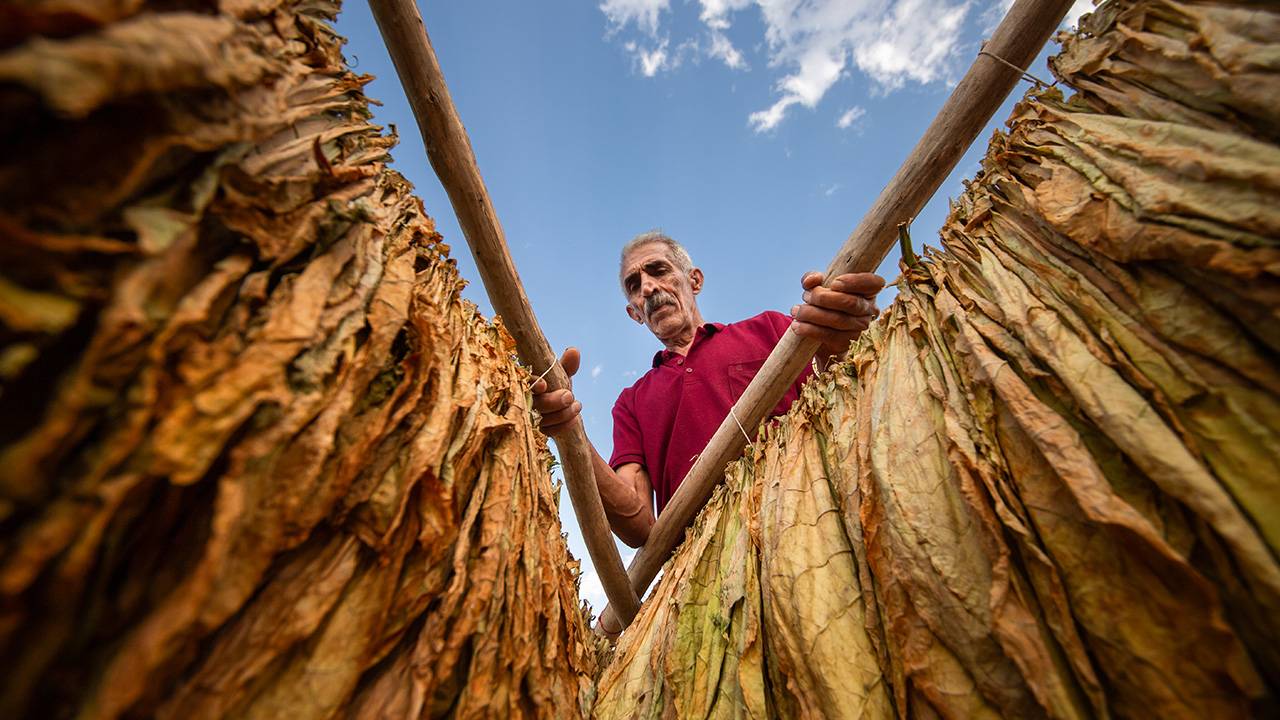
(688, 370)
(680, 361)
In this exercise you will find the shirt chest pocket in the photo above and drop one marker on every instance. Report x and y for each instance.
(741, 374)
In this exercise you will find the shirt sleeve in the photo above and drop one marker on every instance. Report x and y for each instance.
(627, 444)
(779, 322)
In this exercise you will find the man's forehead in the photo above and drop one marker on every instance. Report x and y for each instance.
(642, 255)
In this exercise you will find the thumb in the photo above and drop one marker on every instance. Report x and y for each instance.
(570, 360)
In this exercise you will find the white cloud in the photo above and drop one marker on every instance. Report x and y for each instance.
(595, 371)
(813, 43)
(715, 15)
(850, 116)
(831, 189)
(906, 49)
(723, 49)
(763, 120)
(651, 56)
(644, 13)
(652, 60)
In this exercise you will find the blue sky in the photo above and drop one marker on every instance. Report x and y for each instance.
(756, 132)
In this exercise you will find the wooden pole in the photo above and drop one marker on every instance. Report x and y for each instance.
(1018, 39)
(449, 151)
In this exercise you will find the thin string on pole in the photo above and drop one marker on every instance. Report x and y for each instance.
(544, 374)
(750, 442)
(1022, 71)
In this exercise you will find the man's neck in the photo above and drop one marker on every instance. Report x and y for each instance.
(683, 340)
(680, 348)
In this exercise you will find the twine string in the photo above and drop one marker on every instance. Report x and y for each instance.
(1022, 71)
(734, 415)
(544, 374)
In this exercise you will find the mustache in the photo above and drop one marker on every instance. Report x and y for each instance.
(659, 299)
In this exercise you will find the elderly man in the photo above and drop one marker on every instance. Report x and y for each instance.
(666, 418)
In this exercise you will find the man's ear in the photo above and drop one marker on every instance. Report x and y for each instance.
(695, 280)
(634, 314)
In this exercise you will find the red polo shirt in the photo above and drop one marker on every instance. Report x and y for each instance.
(670, 414)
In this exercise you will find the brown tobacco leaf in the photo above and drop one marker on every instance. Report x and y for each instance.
(145, 54)
(1041, 484)
(814, 606)
(258, 458)
(709, 664)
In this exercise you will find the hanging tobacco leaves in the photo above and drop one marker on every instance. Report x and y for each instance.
(1047, 482)
(257, 458)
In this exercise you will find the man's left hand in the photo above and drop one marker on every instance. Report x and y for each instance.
(836, 315)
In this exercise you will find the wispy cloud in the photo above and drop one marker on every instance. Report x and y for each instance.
(644, 13)
(721, 48)
(595, 371)
(831, 189)
(764, 120)
(715, 16)
(813, 44)
(649, 55)
(850, 116)
(651, 60)
(821, 42)
(654, 56)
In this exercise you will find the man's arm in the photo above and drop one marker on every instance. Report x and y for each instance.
(626, 493)
(628, 500)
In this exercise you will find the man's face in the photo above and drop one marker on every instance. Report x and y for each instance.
(659, 294)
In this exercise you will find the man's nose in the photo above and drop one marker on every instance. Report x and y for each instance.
(647, 285)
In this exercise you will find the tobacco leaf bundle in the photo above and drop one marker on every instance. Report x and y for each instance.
(257, 458)
(1045, 483)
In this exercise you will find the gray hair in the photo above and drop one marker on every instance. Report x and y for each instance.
(678, 255)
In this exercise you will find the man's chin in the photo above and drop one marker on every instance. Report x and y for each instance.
(659, 312)
(660, 323)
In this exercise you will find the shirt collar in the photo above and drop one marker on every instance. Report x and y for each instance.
(703, 332)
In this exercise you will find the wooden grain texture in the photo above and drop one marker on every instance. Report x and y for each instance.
(1018, 39)
(449, 151)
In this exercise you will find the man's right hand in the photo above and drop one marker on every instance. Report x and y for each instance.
(558, 408)
(626, 493)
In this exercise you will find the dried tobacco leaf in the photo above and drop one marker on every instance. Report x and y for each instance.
(257, 459)
(1045, 477)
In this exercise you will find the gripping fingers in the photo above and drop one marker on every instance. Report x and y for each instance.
(829, 319)
(550, 402)
(865, 284)
(828, 337)
(554, 421)
(840, 302)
